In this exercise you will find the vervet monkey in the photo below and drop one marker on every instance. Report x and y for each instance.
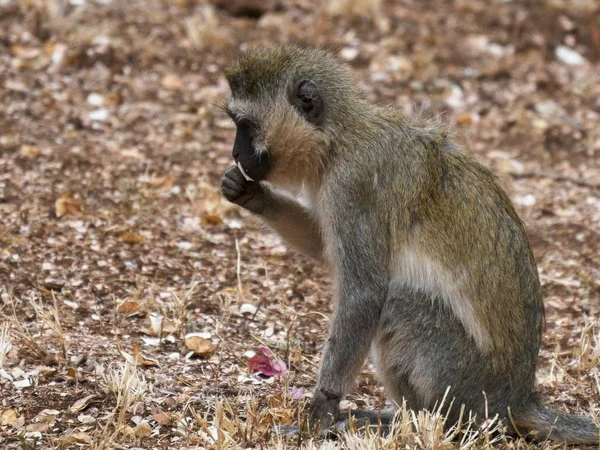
(431, 263)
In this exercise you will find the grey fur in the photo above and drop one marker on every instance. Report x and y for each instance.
(430, 261)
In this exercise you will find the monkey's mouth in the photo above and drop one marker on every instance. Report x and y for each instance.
(246, 176)
(255, 166)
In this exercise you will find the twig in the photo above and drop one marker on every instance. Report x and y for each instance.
(559, 178)
(238, 268)
(262, 300)
(593, 12)
(560, 281)
(4, 342)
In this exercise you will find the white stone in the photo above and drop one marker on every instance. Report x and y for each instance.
(569, 56)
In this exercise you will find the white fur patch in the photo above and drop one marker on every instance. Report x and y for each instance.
(422, 380)
(421, 273)
(306, 197)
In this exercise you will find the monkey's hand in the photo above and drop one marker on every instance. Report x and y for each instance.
(238, 190)
(324, 410)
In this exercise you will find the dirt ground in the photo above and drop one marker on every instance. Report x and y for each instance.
(115, 243)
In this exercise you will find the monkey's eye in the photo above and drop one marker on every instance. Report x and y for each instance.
(242, 122)
(247, 126)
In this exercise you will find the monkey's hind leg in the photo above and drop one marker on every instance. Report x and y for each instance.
(422, 344)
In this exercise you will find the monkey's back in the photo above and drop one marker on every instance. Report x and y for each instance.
(454, 232)
(484, 235)
(465, 278)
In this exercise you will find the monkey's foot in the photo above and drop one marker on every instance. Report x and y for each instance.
(293, 431)
(335, 430)
(287, 430)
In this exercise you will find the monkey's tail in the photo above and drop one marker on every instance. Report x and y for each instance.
(550, 423)
(384, 416)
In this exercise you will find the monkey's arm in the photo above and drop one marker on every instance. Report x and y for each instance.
(281, 212)
(292, 221)
(358, 254)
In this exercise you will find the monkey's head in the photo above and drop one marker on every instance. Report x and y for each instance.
(284, 103)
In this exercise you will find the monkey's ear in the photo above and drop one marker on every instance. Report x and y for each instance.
(306, 98)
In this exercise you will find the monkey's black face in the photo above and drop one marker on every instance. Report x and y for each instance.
(253, 163)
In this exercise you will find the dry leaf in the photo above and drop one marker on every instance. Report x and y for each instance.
(66, 204)
(86, 418)
(212, 219)
(24, 52)
(29, 151)
(266, 364)
(199, 345)
(129, 307)
(49, 47)
(146, 360)
(112, 99)
(141, 358)
(164, 417)
(129, 358)
(166, 182)
(160, 324)
(132, 153)
(48, 416)
(132, 238)
(81, 404)
(464, 119)
(143, 429)
(172, 82)
(8, 417)
(39, 426)
(17, 86)
(54, 284)
(77, 437)
(48, 373)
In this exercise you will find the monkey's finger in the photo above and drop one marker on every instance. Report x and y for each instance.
(230, 194)
(235, 174)
(243, 199)
(231, 184)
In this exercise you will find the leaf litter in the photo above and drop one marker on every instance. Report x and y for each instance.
(111, 151)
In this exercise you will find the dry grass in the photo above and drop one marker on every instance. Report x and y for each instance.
(48, 316)
(127, 386)
(228, 426)
(588, 353)
(23, 335)
(5, 344)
